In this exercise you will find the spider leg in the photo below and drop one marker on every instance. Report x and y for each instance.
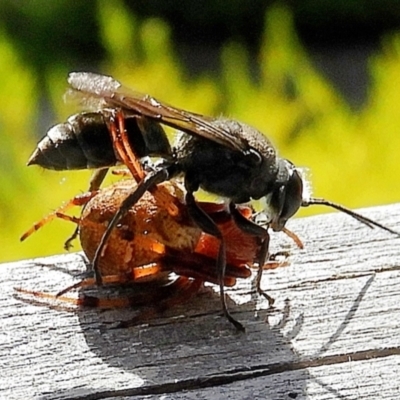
(178, 292)
(116, 126)
(294, 237)
(79, 200)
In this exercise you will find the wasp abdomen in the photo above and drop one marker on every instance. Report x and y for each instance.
(84, 141)
(81, 142)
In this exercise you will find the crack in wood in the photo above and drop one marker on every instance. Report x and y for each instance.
(242, 374)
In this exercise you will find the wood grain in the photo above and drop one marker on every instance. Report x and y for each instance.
(334, 332)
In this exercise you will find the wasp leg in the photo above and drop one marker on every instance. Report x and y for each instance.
(97, 179)
(95, 182)
(130, 159)
(263, 257)
(271, 263)
(200, 266)
(260, 290)
(210, 227)
(147, 183)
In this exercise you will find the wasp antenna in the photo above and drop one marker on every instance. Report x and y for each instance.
(358, 217)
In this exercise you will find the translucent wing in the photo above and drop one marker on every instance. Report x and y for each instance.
(104, 91)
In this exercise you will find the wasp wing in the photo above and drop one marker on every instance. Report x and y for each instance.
(107, 92)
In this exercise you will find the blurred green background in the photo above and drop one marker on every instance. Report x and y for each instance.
(321, 79)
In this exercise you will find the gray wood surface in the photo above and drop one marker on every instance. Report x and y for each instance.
(334, 332)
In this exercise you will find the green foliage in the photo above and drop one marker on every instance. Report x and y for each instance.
(353, 155)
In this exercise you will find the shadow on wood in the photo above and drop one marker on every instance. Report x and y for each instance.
(334, 331)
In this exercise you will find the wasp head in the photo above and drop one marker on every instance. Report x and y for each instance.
(286, 196)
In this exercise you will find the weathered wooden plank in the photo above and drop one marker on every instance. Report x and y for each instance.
(324, 383)
(337, 301)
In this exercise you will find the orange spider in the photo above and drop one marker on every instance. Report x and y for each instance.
(149, 244)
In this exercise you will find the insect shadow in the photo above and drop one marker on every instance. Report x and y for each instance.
(169, 342)
(266, 349)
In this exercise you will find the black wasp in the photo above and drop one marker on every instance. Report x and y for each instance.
(222, 156)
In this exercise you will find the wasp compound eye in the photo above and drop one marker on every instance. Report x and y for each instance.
(286, 199)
